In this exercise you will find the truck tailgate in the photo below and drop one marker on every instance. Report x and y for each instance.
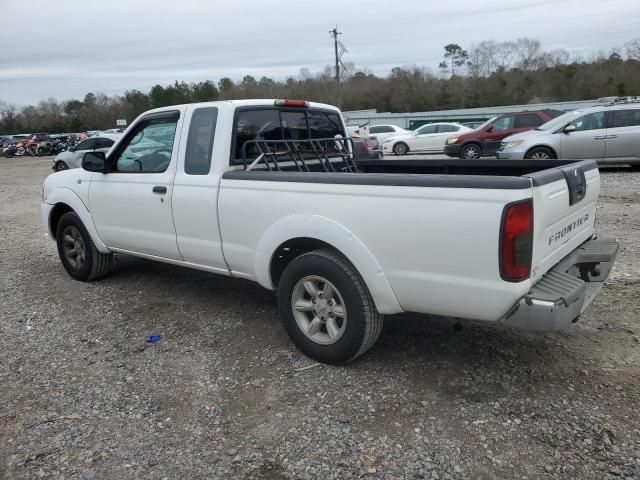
(564, 200)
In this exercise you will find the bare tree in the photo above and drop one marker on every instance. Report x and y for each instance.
(527, 51)
(633, 49)
(504, 55)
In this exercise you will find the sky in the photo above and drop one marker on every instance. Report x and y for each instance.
(66, 48)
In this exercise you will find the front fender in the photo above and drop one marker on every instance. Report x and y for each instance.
(69, 197)
(339, 237)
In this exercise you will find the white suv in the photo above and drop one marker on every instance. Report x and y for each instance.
(608, 133)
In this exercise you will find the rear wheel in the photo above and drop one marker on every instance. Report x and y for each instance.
(327, 309)
(400, 148)
(60, 165)
(540, 153)
(78, 254)
(471, 152)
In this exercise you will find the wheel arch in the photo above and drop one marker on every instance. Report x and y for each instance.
(63, 200)
(472, 141)
(298, 234)
(548, 147)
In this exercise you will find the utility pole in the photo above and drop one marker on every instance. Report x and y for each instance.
(334, 33)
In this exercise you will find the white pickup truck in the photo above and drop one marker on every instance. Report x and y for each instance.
(268, 190)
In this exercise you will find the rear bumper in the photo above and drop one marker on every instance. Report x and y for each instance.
(566, 290)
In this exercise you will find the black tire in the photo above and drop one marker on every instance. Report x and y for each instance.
(8, 154)
(540, 153)
(472, 151)
(401, 148)
(60, 166)
(363, 322)
(93, 265)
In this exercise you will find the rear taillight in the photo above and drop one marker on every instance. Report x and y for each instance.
(516, 241)
(291, 103)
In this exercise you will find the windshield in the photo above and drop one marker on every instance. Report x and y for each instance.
(560, 121)
(486, 123)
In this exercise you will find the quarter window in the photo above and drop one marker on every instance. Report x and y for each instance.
(202, 130)
(591, 121)
(381, 129)
(149, 147)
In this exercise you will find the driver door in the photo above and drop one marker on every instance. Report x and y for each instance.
(424, 138)
(131, 205)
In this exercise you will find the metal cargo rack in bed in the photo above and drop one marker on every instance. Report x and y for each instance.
(310, 155)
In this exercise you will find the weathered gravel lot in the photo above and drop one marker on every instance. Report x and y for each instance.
(223, 394)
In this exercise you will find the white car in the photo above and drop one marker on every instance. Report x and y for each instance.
(429, 138)
(341, 242)
(72, 158)
(385, 132)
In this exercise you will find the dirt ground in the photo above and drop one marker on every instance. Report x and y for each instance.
(224, 394)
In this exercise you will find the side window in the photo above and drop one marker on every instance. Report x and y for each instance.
(528, 120)
(104, 142)
(503, 123)
(88, 144)
(148, 149)
(381, 129)
(624, 118)
(428, 129)
(202, 130)
(256, 125)
(591, 121)
(447, 128)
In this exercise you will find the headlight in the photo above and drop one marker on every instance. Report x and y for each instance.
(452, 140)
(513, 144)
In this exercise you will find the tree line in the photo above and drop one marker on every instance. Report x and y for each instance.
(486, 74)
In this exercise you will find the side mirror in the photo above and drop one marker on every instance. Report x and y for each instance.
(489, 129)
(569, 129)
(95, 162)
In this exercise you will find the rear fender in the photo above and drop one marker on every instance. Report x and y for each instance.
(339, 237)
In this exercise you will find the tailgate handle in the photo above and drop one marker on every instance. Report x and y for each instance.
(576, 182)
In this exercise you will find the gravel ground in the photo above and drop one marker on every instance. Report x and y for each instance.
(225, 395)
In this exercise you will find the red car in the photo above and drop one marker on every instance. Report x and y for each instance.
(485, 140)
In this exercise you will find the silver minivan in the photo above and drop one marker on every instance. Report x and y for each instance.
(608, 133)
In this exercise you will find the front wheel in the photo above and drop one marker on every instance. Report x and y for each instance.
(327, 309)
(400, 148)
(78, 254)
(471, 152)
(540, 153)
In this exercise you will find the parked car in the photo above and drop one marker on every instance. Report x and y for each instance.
(342, 243)
(72, 158)
(429, 138)
(484, 141)
(608, 133)
(384, 132)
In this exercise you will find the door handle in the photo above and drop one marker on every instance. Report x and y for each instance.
(601, 137)
(611, 136)
(159, 189)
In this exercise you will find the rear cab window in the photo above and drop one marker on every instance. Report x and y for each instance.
(272, 123)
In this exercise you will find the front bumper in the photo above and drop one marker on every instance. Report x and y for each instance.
(452, 150)
(566, 290)
(509, 155)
